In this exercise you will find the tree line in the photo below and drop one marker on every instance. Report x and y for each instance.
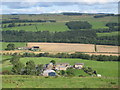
(67, 55)
(75, 55)
(15, 25)
(104, 15)
(25, 21)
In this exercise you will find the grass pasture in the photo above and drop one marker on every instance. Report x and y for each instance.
(60, 22)
(108, 34)
(103, 68)
(17, 44)
(16, 81)
(52, 27)
(108, 70)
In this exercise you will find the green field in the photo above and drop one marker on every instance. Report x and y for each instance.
(108, 70)
(59, 25)
(14, 81)
(108, 34)
(52, 27)
(17, 44)
(104, 68)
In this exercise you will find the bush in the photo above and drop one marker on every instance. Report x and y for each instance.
(6, 72)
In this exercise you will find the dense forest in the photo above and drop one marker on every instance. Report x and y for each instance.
(78, 25)
(73, 36)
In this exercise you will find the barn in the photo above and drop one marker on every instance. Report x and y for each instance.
(49, 73)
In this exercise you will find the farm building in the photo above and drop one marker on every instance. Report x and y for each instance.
(50, 66)
(35, 48)
(49, 73)
(78, 65)
(62, 66)
(23, 48)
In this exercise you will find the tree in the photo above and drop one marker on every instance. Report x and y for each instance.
(24, 24)
(15, 59)
(39, 69)
(19, 24)
(30, 68)
(53, 61)
(4, 26)
(62, 72)
(10, 47)
(11, 25)
(17, 68)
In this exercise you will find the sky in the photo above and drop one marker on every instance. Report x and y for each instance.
(58, 6)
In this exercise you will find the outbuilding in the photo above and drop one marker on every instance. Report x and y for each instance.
(49, 73)
(78, 65)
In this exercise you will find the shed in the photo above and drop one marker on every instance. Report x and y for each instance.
(49, 73)
(78, 65)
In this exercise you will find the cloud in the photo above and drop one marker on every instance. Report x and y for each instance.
(18, 5)
(24, 7)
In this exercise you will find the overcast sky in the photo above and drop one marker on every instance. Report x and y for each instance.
(58, 6)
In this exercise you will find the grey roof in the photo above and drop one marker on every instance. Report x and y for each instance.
(79, 63)
(47, 71)
(62, 63)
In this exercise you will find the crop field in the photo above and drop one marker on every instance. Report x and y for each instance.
(108, 70)
(107, 48)
(63, 47)
(108, 34)
(67, 47)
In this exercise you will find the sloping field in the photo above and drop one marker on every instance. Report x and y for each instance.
(63, 47)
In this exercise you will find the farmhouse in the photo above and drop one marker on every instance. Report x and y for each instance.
(62, 66)
(78, 65)
(49, 73)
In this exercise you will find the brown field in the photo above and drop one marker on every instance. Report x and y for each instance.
(63, 47)
(107, 48)
(70, 48)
